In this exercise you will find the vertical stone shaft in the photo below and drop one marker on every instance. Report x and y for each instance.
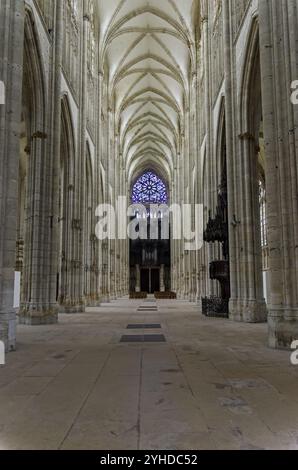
(11, 60)
(278, 49)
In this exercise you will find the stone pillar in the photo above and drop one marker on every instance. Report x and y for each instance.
(105, 272)
(247, 302)
(11, 60)
(99, 197)
(208, 105)
(279, 67)
(106, 190)
(39, 305)
(124, 268)
(80, 233)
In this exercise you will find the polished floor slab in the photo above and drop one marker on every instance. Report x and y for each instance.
(213, 384)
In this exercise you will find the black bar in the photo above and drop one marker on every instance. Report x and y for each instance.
(138, 459)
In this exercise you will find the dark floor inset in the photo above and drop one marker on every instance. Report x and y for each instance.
(154, 339)
(144, 326)
(143, 339)
(147, 306)
(147, 309)
(132, 339)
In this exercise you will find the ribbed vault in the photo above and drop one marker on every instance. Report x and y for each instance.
(148, 48)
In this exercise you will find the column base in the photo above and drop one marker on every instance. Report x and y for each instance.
(180, 295)
(283, 328)
(90, 300)
(94, 303)
(38, 316)
(69, 306)
(8, 324)
(248, 311)
(199, 303)
(72, 309)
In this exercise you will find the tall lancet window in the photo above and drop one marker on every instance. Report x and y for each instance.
(149, 189)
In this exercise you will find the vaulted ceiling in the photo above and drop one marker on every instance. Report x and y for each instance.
(148, 47)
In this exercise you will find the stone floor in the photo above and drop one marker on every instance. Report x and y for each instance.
(213, 384)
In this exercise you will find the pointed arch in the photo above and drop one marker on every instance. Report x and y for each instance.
(254, 307)
(221, 140)
(34, 74)
(89, 168)
(34, 120)
(250, 103)
(68, 145)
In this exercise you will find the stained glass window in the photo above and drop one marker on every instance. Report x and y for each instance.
(149, 189)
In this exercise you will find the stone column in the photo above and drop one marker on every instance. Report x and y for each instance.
(81, 238)
(11, 60)
(124, 268)
(279, 56)
(39, 303)
(105, 271)
(106, 189)
(247, 302)
(99, 196)
(208, 105)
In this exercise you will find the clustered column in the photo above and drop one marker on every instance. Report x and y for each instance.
(11, 59)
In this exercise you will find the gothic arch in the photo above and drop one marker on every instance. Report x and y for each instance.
(220, 141)
(251, 290)
(250, 108)
(33, 125)
(102, 182)
(148, 85)
(89, 175)
(66, 201)
(34, 73)
(68, 137)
